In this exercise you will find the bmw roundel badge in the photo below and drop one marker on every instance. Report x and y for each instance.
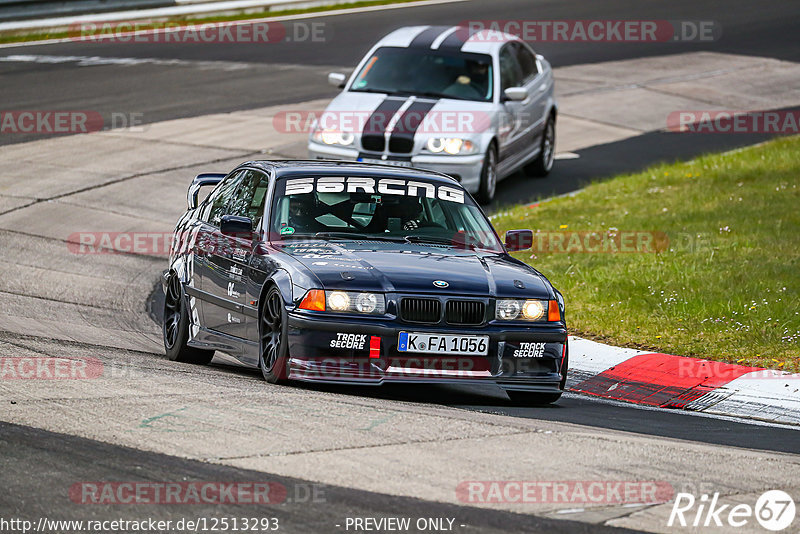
(440, 283)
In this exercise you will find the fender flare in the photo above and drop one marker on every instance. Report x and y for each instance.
(283, 281)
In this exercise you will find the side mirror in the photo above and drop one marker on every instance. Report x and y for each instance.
(201, 180)
(516, 94)
(519, 240)
(337, 79)
(235, 226)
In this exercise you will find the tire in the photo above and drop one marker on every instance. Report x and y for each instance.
(527, 398)
(488, 184)
(543, 163)
(175, 328)
(273, 328)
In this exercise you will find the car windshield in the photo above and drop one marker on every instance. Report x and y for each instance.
(380, 209)
(427, 73)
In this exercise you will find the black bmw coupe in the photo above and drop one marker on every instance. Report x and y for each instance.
(359, 274)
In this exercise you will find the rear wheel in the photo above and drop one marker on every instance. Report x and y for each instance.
(273, 329)
(488, 184)
(176, 327)
(543, 163)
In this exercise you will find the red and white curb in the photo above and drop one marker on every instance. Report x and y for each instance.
(678, 382)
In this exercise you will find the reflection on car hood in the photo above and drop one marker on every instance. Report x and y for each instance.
(412, 268)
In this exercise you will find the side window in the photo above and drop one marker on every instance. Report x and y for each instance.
(249, 200)
(218, 200)
(510, 72)
(527, 62)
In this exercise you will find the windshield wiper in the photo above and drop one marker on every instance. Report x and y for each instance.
(436, 240)
(433, 94)
(358, 237)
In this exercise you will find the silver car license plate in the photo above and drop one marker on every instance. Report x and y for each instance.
(395, 162)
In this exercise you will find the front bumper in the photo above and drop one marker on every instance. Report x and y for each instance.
(344, 350)
(466, 169)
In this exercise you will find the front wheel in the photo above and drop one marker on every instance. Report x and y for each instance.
(176, 327)
(543, 163)
(273, 331)
(527, 398)
(488, 184)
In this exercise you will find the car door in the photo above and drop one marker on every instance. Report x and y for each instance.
(210, 249)
(248, 202)
(536, 83)
(515, 134)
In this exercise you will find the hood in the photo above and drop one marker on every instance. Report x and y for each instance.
(444, 115)
(412, 268)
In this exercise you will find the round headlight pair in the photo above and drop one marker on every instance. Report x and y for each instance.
(450, 145)
(529, 310)
(364, 302)
(334, 138)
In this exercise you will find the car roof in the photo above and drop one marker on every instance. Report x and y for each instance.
(468, 39)
(284, 168)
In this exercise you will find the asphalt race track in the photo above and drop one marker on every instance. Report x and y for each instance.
(376, 452)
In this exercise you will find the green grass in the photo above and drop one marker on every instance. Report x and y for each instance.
(727, 287)
(18, 36)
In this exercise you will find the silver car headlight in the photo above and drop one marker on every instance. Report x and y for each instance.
(331, 137)
(451, 145)
(531, 310)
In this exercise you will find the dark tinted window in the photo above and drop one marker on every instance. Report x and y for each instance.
(218, 200)
(527, 62)
(427, 72)
(510, 71)
(249, 201)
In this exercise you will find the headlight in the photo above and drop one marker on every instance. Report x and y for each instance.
(338, 301)
(344, 301)
(355, 302)
(451, 145)
(329, 137)
(527, 310)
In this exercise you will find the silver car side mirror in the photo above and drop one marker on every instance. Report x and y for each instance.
(517, 94)
(336, 79)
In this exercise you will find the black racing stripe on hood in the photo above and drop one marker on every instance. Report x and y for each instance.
(379, 120)
(426, 37)
(456, 40)
(402, 138)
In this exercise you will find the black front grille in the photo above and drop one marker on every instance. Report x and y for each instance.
(465, 312)
(401, 145)
(374, 143)
(416, 310)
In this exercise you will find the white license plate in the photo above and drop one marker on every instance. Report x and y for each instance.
(443, 344)
(396, 163)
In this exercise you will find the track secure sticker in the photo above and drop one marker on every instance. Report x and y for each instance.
(530, 350)
(349, 341)
(287, 230)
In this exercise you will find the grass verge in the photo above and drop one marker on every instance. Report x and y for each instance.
(17, 36)
(727, 285)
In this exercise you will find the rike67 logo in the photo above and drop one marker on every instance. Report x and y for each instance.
(774, 510)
